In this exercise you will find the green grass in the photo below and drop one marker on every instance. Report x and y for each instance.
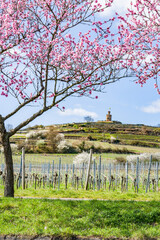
(49, 192)
(121, 219)
(19, 136)
(121, 136)
(90, 194)
(137, 137)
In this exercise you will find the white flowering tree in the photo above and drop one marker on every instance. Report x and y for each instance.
(82, 158)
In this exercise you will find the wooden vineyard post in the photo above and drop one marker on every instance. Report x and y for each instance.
(109, 176)
(52, 171)
(137, 175)
(149, 170)
(99, 174)
(23, 168)
(48, 170)
(157, 179)
(82, 176)
(116, 176)
(94, 174)
(103, 175)
(20, 175)
(88, 170)
(143, 174)
(73, 175)
(126, 175)
(59, 175)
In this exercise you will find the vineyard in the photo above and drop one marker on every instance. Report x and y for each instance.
(130, 176)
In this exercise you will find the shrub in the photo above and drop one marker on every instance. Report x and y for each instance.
(81, 158)
(42, 147)
(90, 138)
(82, 125)
(82, 146)
(38, 126)
(36, 134)
(65, 147)
(75, 126)
(30, 146)
(144, 157)
(70, 125)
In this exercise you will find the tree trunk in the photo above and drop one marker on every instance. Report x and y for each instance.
(9, 176)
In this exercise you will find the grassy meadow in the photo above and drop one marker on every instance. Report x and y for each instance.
(118, 219)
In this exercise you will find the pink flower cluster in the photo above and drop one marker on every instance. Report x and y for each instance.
(140, 33)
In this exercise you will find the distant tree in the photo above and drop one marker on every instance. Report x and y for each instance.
(88, 119)
(54, 138)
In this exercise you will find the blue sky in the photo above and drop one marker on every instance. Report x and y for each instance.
(129, 102)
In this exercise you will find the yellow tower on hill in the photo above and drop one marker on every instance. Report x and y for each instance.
(109, 117)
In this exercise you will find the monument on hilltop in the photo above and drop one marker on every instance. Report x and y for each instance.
(109, 117)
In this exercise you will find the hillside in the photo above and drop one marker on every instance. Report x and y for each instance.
(126, 134)
(97, 132)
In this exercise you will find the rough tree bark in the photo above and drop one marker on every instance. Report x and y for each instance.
(9, 175)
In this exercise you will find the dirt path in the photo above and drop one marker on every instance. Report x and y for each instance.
(83, 199)
(67, 199)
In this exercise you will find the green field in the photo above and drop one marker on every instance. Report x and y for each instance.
(118, 219)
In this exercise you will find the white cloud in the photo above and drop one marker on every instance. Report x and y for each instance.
(154, 107)
(119, 6)
(78, 112)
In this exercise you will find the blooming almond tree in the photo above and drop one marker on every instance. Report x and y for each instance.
(140, 34)
(52, 50)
